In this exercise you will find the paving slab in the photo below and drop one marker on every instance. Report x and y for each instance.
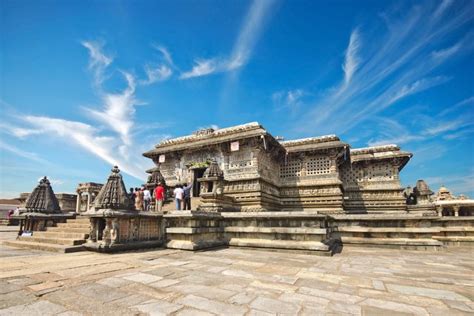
(238, 282)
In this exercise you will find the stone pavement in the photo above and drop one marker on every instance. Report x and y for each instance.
(359, 281)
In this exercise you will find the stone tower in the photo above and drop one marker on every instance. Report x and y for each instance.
(113, 194)
(42, 199)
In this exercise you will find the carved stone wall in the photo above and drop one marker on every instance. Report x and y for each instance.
(372, 186)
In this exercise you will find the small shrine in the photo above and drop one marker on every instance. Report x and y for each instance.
(212, 191)
(114, 223)
(41, 210)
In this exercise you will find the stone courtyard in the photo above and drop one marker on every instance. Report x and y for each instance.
(236, 281)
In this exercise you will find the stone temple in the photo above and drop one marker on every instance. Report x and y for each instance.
(261, 173)
(253, 190)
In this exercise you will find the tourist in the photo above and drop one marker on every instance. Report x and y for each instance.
(146, 198)
(178, 196)
(132, 195)
(159, 197)
(138, 199)
(187, 196)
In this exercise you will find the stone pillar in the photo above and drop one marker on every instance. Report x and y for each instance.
(78, 202)
(88, 200)
(439, 209)
(456, 210)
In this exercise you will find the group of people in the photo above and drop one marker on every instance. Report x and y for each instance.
(182, 196)
(142, 197)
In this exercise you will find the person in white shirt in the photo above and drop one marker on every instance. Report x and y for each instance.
(146, 198)
(178, 196)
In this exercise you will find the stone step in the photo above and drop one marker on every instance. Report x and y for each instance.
(457, 229)
(279, 244)
(43, 247)
(70, 235)
(193, 230)
(59, 241)
(73, 225)
(362, 229)
(80, 219)
(277, 230)
(68, 230)
(391, 241)
(455, 238)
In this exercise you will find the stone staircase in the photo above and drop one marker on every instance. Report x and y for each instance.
(456, 231)
(66, 237)
(280, 230)
(387, 231)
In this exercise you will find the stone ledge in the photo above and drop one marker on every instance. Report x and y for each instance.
(279, 244)
(190, 245)
(192, 214)
(136, 245)
(193, 230)
(59, 241)
(44, 247)
(391, 241)
(290, 215)
(383, 217)
(454, 238)
(360, 229)
(276, 230)
(455, 218)
(457, 229)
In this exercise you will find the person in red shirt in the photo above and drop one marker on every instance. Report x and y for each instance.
(159, 197)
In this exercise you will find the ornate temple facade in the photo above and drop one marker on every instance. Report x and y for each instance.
(263, 173)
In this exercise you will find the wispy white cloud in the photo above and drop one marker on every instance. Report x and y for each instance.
(445, 4)
(115, 117)
(397, 65)
(249, 34)
(155, 74)
(16, 131)
(288, 99)
(87, 137)
(98, 60)
(118, 109)
(21, 153)
(202, 67)
(352, 59)
(166, 54)
(415, 87)
(466, 102)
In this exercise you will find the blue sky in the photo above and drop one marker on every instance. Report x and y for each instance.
(88, 84)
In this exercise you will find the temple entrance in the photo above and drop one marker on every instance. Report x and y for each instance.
(198, 173)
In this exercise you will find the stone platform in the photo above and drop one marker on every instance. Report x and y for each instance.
(237, 281)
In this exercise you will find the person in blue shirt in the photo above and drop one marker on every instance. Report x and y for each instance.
(187, 196)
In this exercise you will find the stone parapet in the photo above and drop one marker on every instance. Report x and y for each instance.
(194, 230)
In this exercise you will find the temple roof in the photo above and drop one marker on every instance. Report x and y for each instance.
(42, 199)
(313, 143)
(113, 194)
(380, 153)
(209, 136)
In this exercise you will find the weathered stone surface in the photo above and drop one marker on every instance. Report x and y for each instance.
(157, 308)
(39, 308)
(274, 306)
(144, 278)
(439, 294)
(212, 306)
(238, 281)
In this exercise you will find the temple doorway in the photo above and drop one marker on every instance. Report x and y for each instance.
(198, 173)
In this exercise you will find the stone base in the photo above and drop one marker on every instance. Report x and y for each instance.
(194, 230)
(137, 245)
